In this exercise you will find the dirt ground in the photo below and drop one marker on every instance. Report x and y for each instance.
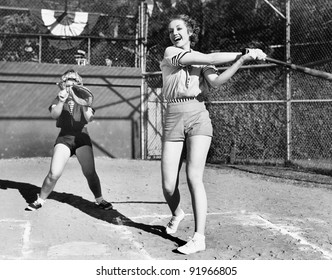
(251, 216)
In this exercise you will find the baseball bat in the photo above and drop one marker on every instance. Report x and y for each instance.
(306, 70)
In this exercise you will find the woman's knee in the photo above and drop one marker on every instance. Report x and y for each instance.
(194, 178)
(169, 186)
(53, 176)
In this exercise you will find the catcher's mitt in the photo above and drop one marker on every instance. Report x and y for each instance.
(81, 95)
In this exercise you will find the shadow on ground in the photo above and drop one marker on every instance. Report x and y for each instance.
(29, 193)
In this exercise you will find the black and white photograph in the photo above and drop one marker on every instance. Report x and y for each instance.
(166, 139)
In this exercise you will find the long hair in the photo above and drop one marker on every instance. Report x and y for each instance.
(192, 26)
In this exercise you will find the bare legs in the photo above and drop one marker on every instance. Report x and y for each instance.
(60, 157)
(197, 149)
(86, 159)
(170, 167)
(61, 154)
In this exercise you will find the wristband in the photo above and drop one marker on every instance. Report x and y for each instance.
(245, 51)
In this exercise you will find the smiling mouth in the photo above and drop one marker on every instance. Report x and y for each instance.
(177, 39)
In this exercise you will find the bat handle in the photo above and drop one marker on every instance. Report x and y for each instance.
(269, 59)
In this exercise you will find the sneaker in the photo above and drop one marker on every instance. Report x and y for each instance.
(173, 224)
(33, 206)
(105, 205)
(192, 246)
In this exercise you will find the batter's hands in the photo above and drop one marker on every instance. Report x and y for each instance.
(254, 54)
(260, 55)
(249, 54)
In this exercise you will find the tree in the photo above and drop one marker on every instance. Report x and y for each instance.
(226, 25)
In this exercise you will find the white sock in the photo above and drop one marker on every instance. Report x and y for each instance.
(199, 236)
(99, 199)
(40, 200)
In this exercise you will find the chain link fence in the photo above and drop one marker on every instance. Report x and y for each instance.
(265, 114)
(39, 40)
(70, 32)
(311, 32)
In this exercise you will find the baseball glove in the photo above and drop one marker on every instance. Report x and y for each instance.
(81, 95)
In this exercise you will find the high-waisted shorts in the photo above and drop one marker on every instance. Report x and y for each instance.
(74, 140)
(185, 119)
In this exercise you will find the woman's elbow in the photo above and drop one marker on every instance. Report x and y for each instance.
(54, 115)
(89, 118)
(216, 83)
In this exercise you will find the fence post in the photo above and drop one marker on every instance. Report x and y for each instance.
(288, 86)
(142, 55)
